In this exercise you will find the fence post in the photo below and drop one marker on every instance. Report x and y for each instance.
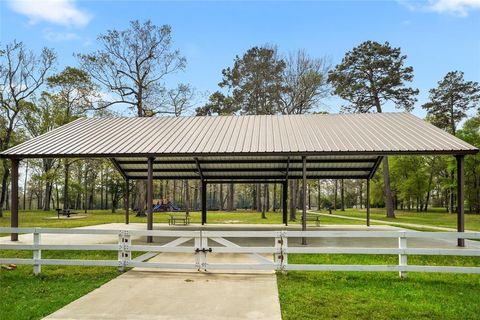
(37, 253)
(281, 257)
(204, 252)
(198, 256)
(402, 258)
(124, 253)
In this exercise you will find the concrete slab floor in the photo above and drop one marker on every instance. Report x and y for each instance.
(327, 242)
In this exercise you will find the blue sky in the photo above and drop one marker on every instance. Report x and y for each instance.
(438, 35)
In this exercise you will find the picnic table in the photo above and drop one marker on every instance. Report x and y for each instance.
(64, 213)
(313, 217)
(181, 218)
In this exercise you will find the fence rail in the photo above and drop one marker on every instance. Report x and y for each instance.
(203, 247)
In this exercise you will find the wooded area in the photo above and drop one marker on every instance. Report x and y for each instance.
(129, 72)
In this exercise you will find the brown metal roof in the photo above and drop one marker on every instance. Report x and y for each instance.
(242, 146)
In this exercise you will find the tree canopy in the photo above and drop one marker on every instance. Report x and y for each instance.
(372, 74)
(451, 99)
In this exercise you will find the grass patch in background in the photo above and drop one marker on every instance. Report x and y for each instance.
(37, 218)
(434, 217)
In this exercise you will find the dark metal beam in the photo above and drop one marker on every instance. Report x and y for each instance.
(236, 181)
(240, 161)
(150, 199)
(199, 169)
(14, 195)
(119, 168)
(249, 178)
(460, 197)
(304, 199)
(205, 170)
(375, 167)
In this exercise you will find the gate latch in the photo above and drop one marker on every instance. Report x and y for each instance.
(197, 250)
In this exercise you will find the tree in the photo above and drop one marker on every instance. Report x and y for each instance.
(39, 118)
(451, 99)
(180, 99)
(73, 93)
(255, 81)
(133, 64)
(369, 76)
(470, 133)
(22, 73)
(218, 104)
(305, 82)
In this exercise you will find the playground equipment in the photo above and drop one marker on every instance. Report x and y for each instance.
(165, 206)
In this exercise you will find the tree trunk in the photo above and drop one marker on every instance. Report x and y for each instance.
(267, 196)
(319, 194)
(309, 198)
(361, 194)
(258, 200)
(430, 180)
(66, 205)
(221, 197)
(141, 198)
(335, 195)
(388, 190)
(48, 196)
(452, 197)
(58, 196)
(274, 197)
(293, 200)
(25, 187)
(3, 195)
(231, 197)
(102, 204)
(342, 194)
(264, 201)
(187, 197)
(195, 196)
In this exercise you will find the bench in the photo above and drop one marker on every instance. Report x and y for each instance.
(183, 219)
(64, 213)
(313, 217)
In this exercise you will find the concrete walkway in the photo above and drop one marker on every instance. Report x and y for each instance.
(169, 295)
(401, 224)
(144, 293)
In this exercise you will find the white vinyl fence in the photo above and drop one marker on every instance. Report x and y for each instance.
(206, 243)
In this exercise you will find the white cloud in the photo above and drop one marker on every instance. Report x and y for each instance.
(55, 36)
(458, 7)
(62, 12)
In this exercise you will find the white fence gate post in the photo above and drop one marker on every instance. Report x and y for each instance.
(198, 253)
(204, 252)
(37, 254)
(402, 258)
(280, 254)
(124, 253)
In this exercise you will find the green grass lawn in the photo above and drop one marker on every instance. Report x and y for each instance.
(369, 295)
(25, 296)
(434, 217)
(38, 218)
